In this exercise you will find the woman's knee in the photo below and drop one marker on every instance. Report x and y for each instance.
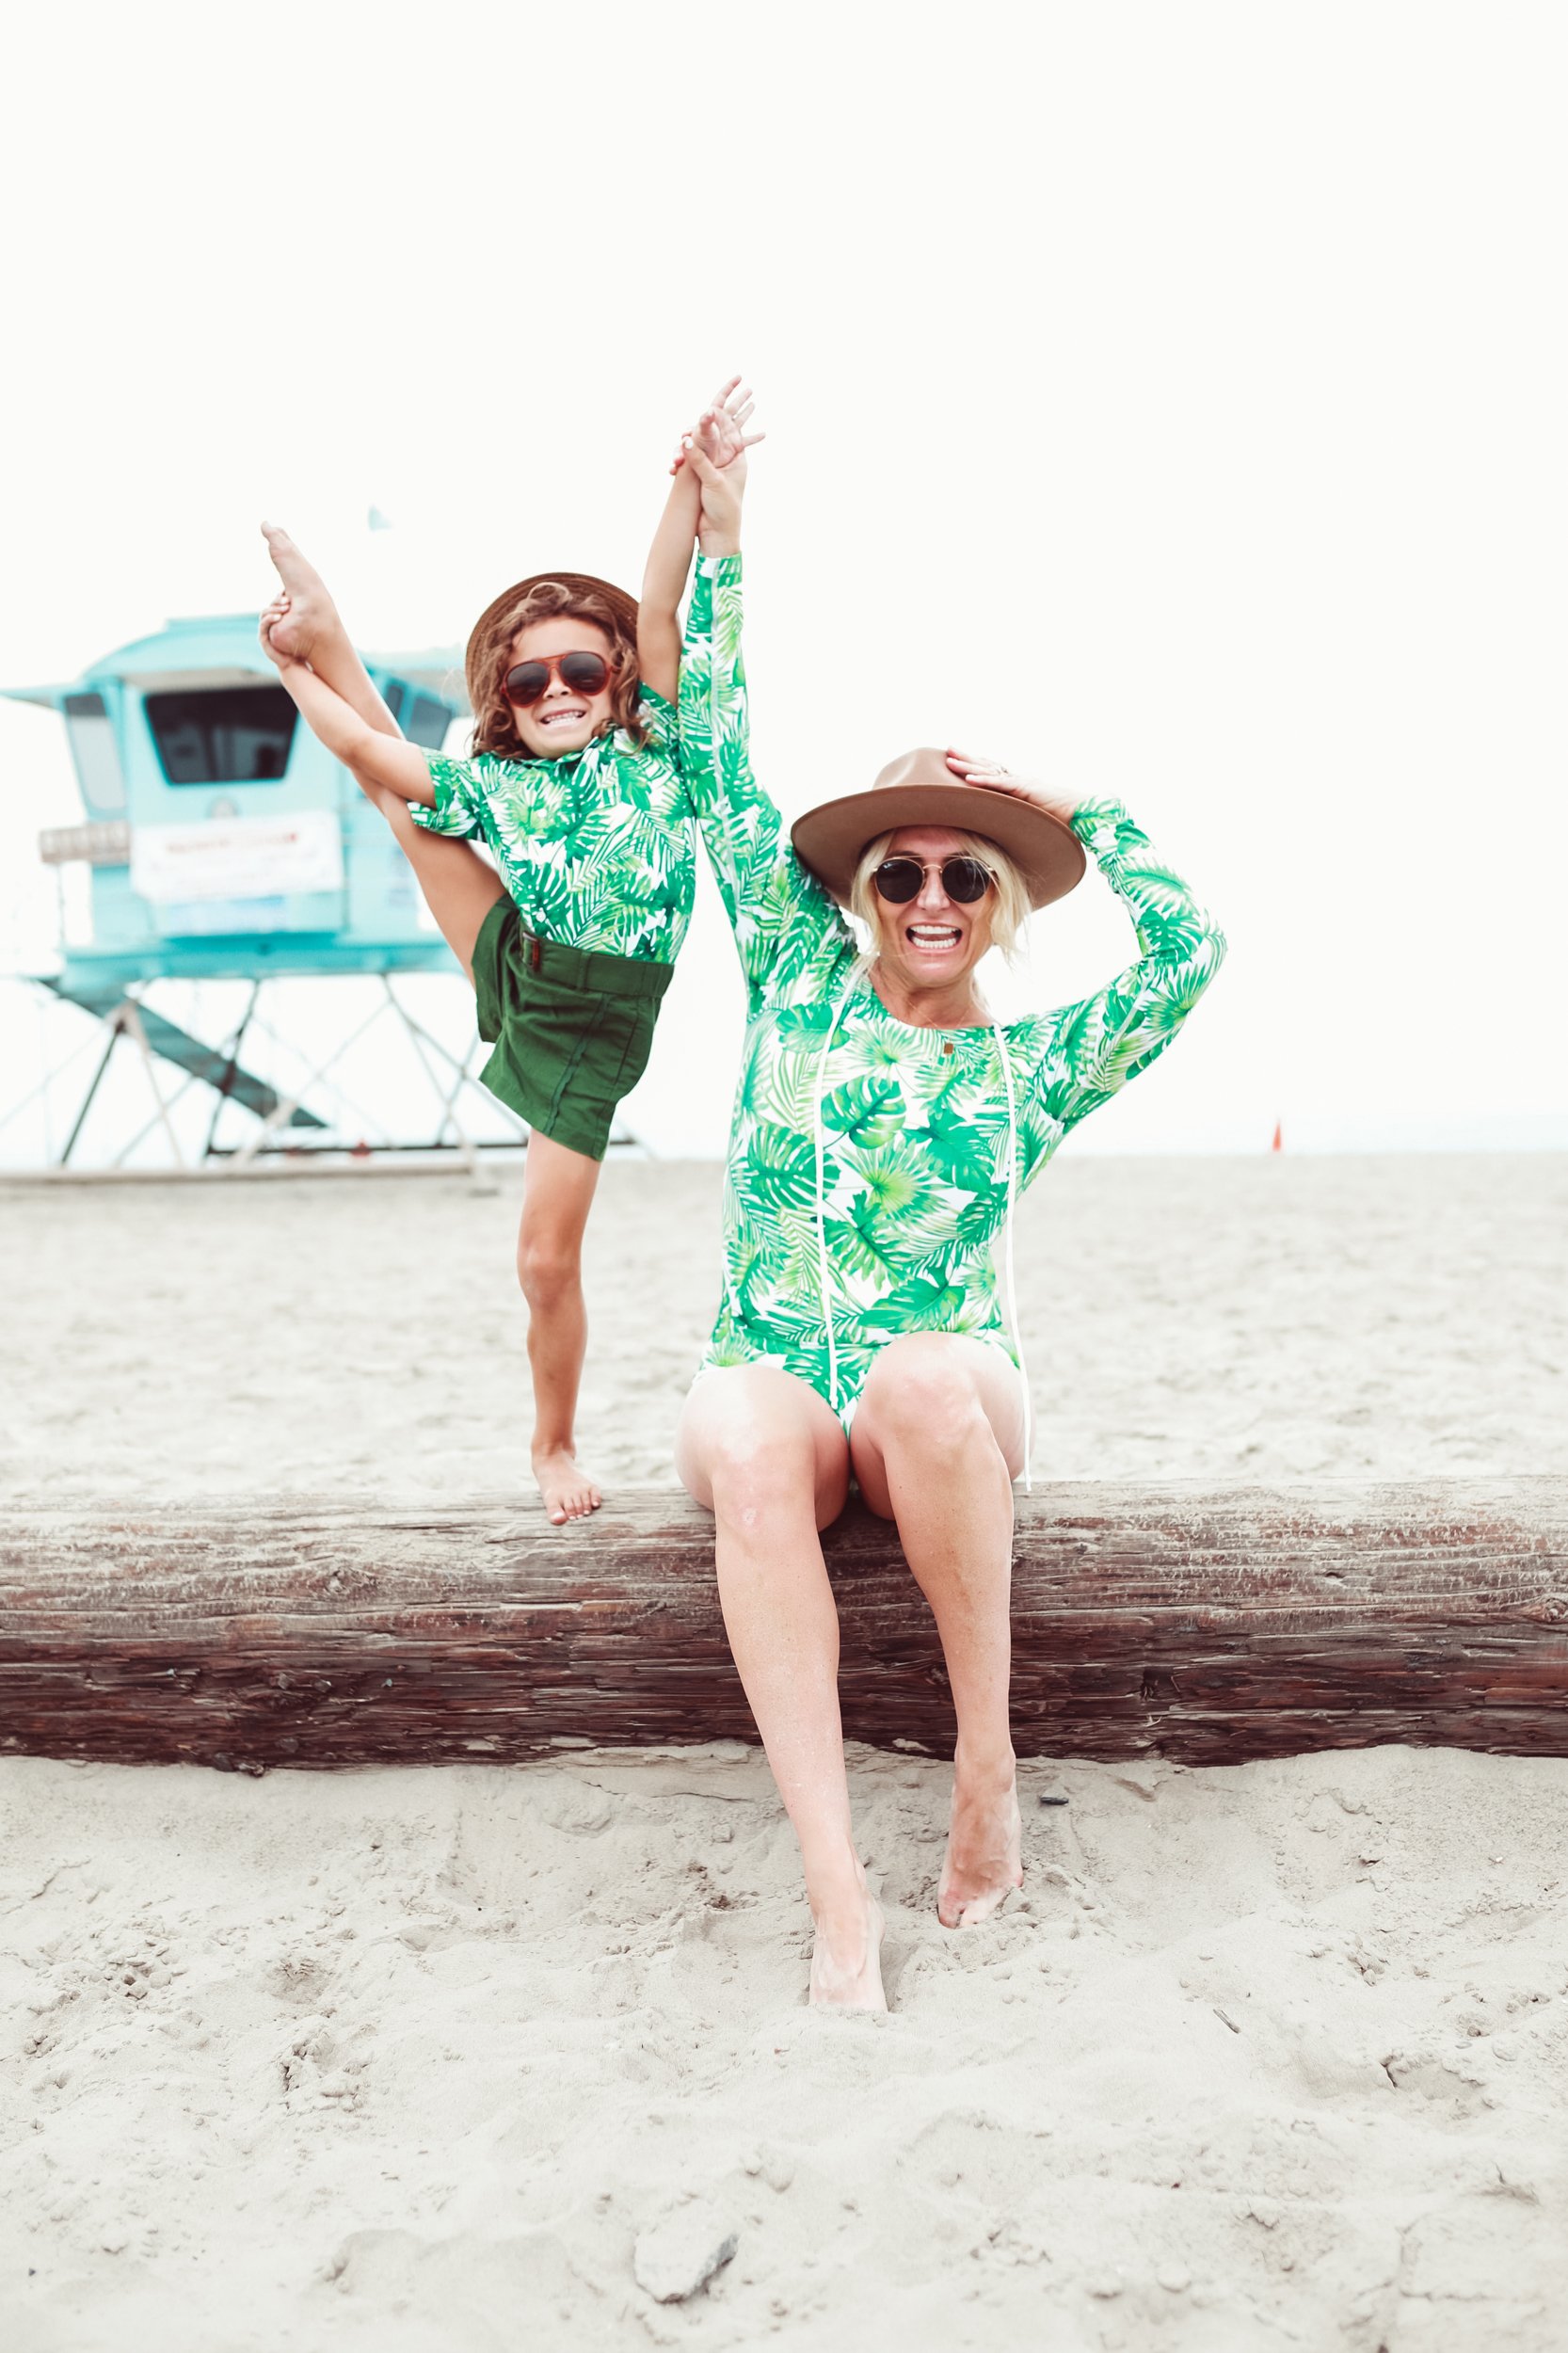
(920, 1390)
(760, 1479)
(760, 1474)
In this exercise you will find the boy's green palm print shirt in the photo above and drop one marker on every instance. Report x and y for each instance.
(596, 845)
(914, 1132)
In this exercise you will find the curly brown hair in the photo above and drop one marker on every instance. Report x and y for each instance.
(490, 654)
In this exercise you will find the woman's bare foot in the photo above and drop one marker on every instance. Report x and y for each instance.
(568, 1493)
(985, 1858)
(846, 1957)
(308, 609)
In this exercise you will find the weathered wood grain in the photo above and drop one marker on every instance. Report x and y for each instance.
(1206, 1626)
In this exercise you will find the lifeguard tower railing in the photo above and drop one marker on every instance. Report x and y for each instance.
(223, 844)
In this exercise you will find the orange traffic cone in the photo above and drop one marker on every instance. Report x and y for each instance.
(1278, 1144)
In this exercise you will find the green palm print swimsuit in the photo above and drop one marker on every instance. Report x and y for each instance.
(869, 1171)
(595, 845)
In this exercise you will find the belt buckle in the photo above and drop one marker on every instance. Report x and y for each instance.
(535, 952)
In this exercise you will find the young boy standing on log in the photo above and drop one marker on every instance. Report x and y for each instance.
(582, 702)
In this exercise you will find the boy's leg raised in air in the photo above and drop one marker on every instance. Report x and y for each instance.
(556, 1200)
(306, 625)
(460, 887)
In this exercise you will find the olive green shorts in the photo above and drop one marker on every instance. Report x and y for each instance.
(572, 1029)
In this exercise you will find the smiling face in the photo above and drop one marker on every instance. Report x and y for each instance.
(561, 721)
(933, 942)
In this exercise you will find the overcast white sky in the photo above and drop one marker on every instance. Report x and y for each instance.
(1169, 399)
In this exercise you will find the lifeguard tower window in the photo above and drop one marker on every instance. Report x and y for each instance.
(95, 751)
(223, 734)
(426, 720)
(426, 723)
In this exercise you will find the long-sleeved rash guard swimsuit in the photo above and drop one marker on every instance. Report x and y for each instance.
(872, 1165)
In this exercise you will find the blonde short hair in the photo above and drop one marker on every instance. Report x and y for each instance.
(1010, 912)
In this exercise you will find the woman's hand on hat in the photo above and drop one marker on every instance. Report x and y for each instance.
(991, 776)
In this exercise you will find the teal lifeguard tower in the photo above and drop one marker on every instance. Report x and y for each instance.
(224, 842)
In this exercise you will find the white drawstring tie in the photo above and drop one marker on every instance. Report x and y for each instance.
(1001, 1037)
(824, 1282)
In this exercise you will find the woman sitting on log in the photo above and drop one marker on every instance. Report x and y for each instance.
(884, 1128)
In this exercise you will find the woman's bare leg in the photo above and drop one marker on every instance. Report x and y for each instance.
(308, 626)
(556, 1199)
(937, 1441)
(762, 1451)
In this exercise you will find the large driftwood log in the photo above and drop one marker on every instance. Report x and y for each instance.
(1209, 1627)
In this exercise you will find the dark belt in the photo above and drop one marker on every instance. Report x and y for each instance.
(592, 969)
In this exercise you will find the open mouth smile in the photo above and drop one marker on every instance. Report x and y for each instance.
(565, 715)
(933, 934)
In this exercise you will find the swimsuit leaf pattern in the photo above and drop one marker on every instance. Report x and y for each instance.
(868, 1184)
(595, 845)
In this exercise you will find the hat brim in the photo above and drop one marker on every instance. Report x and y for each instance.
(1047, 853)
(622, 606)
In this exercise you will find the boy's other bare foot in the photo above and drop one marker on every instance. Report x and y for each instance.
(846, 1957)
(274, 617)
(568, 1493)
(985, 1858)
(309, 610)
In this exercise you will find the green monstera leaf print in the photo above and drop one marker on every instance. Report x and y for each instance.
(866, 1112)
(867, 1245)
(779, 1172)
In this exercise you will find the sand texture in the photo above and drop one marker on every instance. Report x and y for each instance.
(1247, 1319)
(442, 2061)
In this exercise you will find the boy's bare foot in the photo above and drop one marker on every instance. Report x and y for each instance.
(309, 610)
(276, 614)
(568, 1493)
(846, 1957)
(985, 1858)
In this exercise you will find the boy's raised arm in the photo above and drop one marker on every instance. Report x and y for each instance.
(669, 560)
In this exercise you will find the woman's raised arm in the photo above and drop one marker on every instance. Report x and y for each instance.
(1105, 1040)
(722, 435)
(1111, 1037)
(780, 915)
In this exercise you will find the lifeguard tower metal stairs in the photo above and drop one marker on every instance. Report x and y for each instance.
(217, 1068)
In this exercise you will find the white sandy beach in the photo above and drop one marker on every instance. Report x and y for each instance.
(408, 2059)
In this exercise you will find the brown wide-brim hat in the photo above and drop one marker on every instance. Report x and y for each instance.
(921, 789)
(578, 584)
